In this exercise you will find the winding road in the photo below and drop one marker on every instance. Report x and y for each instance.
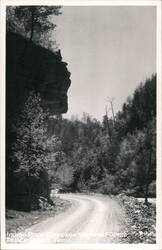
(90, 219)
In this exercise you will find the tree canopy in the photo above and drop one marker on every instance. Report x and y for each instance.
(33, 22)
(117, 155)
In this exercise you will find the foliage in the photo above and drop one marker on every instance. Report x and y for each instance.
(132, 160)
(86, 155)
(65, 175)
(117, 155)
(33, 22)
(140, 109)
(34, 153)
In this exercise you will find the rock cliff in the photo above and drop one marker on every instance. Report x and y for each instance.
(29, 66)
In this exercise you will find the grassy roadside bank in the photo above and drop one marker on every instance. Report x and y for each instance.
(17, 221)
(140, 221)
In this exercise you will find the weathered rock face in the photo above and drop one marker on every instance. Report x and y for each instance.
(29, 66)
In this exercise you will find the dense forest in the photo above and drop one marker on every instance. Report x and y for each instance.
(46, 151)
(117, 155)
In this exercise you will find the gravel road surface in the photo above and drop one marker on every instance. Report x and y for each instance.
(90, 219)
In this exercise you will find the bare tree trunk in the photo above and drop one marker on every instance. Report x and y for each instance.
(32, 23)
(112, 109)
(147, 176)
(108, 127)
(110, 100)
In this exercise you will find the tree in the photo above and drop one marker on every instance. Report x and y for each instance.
(106, 124)
(34, 153)
(136, 161)
(33, 22)
(143, 107)
(117, 155)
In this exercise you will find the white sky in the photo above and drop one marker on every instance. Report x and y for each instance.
(109, 51)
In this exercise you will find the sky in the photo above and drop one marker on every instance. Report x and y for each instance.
(109, 51)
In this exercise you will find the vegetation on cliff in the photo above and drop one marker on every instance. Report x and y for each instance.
(37, 81)
(33, 23)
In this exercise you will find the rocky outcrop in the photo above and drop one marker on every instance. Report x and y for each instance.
(28, 67)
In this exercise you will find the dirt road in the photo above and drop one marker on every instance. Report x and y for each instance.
(90, 219)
